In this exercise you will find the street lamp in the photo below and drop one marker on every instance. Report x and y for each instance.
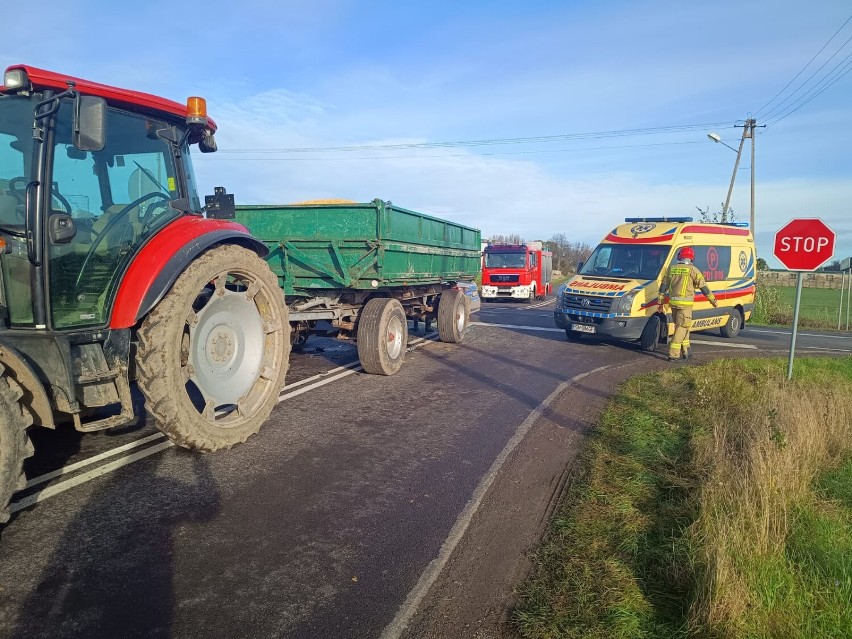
(748, 132)
(717, 138)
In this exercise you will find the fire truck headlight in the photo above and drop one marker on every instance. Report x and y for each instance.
(625, 304)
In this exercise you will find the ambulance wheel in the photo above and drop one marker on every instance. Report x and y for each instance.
(732, 327)
(650, 334)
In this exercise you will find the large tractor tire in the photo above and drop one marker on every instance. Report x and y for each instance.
(453, 316)
(213, 354)
(15, 445)
(382, 336)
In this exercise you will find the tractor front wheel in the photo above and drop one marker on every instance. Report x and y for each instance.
(213, 354)
(15, 445)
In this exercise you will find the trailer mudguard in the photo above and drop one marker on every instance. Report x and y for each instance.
(35, 396)
(158, 264)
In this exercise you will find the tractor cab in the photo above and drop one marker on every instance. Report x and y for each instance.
(83, 186)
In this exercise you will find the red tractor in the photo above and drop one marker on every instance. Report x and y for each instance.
(112, 269)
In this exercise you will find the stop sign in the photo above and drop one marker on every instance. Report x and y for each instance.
(804, 244)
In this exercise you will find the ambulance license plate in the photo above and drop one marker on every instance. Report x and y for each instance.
(582, 328)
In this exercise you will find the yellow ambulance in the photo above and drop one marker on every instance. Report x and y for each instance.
(614, 293)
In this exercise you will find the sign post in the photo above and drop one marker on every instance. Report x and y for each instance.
(803, 244)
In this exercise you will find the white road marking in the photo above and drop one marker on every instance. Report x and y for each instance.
(833, 350)
(727, 344)
(91, 460)
(61, 487)
(287, 393)
(763, 330)
(430, 575)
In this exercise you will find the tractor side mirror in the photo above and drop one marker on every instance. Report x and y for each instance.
(61, 228)
(89, 123)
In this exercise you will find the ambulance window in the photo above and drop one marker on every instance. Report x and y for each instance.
(714, 262)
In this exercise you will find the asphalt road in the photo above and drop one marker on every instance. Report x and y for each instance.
(341, 516)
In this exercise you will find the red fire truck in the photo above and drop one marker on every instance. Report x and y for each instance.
(516, 271)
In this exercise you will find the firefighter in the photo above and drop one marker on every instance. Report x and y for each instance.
(681, 281)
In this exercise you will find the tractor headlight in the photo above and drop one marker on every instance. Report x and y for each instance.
(16, 79)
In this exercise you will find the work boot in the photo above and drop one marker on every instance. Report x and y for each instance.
(685, 354)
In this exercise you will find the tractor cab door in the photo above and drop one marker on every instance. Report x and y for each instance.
(117, 198)
(17, 175)
(99, 209)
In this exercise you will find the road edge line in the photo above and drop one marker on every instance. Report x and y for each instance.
(433, 570)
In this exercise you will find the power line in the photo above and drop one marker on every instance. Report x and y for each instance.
(776, 109)
(444, 155)
(485, 142)
(793, 108)
(803, 68)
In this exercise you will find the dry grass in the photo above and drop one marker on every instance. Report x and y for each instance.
(758, 463)
(713, 502)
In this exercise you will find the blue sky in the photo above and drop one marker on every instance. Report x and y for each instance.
(337, 73)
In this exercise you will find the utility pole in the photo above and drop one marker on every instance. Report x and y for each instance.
(750, 124)
(746, 129)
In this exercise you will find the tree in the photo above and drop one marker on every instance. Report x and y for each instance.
(762, 265)
(833, 267)
(714, 218)
(567, 254)
(512, 238)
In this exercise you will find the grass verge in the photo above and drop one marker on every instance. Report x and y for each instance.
(714, 501)
(819, 308)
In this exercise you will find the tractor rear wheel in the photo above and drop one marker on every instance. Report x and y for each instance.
(213, 354)
(15, 445)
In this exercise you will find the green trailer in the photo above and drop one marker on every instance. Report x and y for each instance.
(366, 269)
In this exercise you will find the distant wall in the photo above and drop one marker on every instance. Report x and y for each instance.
(810, 280)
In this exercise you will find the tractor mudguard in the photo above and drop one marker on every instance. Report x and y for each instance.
(156, 267)
(35, 396)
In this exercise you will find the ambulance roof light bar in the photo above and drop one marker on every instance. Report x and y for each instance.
(633, 220)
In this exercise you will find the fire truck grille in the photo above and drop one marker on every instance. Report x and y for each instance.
(504, 278)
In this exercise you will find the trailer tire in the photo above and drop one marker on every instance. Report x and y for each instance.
(732, 327)
(15, 445)
(382, 336)
(213, 354)
(650, 334)
(453, 316)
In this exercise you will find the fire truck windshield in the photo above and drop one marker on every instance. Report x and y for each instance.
(505, 260)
